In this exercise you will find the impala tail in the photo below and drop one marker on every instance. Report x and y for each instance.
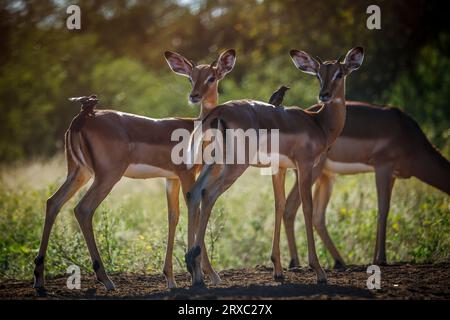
(195, 143)
(77, 147)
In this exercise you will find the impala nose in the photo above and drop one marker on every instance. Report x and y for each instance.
(195, 97)
(324, 97)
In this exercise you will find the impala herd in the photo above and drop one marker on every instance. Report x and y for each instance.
(332, 137)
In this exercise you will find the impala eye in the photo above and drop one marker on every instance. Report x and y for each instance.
(211, 79)
(190, 79)
(339, 75)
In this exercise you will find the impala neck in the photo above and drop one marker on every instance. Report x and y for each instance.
(209, 102)
(332, 116)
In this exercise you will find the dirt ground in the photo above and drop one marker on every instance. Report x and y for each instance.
(400, 281)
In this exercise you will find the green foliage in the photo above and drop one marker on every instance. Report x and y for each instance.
(127, 85)
(118, 54)
(131, 225)
(424, 89)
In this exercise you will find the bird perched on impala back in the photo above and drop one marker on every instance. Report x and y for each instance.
(277, 97)
(88, 103)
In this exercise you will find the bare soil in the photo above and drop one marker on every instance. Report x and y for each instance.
(399, 281)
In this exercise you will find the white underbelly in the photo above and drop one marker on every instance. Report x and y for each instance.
(347, 167)
(145, 171)
(332, 166)
(275, 158)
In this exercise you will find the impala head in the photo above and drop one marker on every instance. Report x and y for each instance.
(204, 78)
(331, 74)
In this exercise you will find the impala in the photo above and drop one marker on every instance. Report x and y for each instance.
(108, 145)
(304, 136)
(374, 139)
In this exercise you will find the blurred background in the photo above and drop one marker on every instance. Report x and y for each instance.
(118, 54)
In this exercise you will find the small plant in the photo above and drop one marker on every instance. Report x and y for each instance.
(131, 225)
(215, 230)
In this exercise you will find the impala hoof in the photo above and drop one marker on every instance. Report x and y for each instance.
(38, 284)
(171, 284)
(278, 277)
(215, 279)
(38, 272)
(41, 292)
(109, 285)
(339, 265)
(322, 281)
(294, 264)
(200, 284)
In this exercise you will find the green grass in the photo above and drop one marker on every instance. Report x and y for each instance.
(131, 224)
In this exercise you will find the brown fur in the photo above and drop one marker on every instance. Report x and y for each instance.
(389, 139)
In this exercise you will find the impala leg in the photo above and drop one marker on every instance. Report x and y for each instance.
(384, 182)
(193, 197)
(172, 194)
(196, 195)
(74, 181)
(322, 194)
(280, 202)
(84, 213)
(193, 219)
(207, 267)
(292, 204)
(305, 182)
(209, 187)
(194, 255)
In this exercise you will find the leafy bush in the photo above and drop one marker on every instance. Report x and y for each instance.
(423, 92)
(131, 224)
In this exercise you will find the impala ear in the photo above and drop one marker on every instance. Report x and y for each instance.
(226, 62)
(179, 64)
(354, 59)
(305, 62)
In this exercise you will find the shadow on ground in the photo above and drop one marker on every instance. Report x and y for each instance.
(400, 281)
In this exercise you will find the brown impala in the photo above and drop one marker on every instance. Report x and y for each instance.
(304, 136)
(108, 145)
(374, 139)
